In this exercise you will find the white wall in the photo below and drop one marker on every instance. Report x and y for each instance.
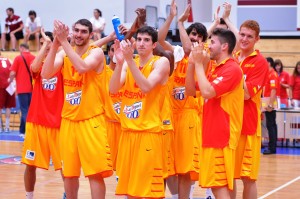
(298, 14)
(66, 11)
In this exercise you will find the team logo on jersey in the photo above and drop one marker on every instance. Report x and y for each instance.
(218, 80)
(3, 63)
(49, 84)
(117, 107)
(178, 93)
(133, 111)
(74, 98)
(30, 155)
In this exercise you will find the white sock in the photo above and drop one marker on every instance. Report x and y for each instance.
(175, 196)
(7, 123)
(209, 193)
(192, 191)
(29, 195)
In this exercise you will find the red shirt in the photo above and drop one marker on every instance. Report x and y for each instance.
(47, 101)
(13, 22)
(295, 84)
(284, 78)
(4, 71)
(255, 69)
(271, 83)
(223, 114)
(22, 75)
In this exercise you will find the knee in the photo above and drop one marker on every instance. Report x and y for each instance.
(248, 181)
(30, 169)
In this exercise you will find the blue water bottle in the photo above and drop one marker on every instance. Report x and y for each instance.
(116, 23)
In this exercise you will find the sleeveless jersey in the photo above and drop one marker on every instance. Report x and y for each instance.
(140, 111)
(166, 113)
(112, 101)
(179, 99)
(82, 92)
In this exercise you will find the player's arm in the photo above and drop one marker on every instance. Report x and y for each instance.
(37, 62)
(164, 29)
(200, 58)
(138, 23)
(190, 83)
(215, 22)
(159, 74)
(118, 77)
(53, 61)
(231, 26)
(184, 37)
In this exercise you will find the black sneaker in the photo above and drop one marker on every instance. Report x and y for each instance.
(269, 152)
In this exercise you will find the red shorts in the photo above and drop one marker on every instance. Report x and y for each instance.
(7, 100)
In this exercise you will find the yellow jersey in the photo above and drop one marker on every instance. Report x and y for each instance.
(82, 92)
(140, 111)
(112, 101)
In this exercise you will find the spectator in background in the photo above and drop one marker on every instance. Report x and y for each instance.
(13, 29)
(283, 84)
(98, 24)
(20, 69)
(7, 101)
(295, 86)
(270, 90)
(33, 26)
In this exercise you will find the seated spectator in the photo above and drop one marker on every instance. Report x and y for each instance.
(33, 26)
(98, 24)
(13, 29)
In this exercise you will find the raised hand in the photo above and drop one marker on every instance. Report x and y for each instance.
(185, 15)
(61, 31)
(199, 55)
(227, 10)
(173, 10)
(45, 37)
(127, 49)
(141, 17)
(216, 15)
(118, 53)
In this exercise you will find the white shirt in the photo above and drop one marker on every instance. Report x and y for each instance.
(97, 23)
(33, 25)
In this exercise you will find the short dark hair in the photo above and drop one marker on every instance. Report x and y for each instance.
(49, 34)
(271, 61)
(225, 36)
(150, 31)
(99, 11)
(10, 9)
(200, 29)
(86, 23)
(32, 12)
(24, 45)
(109, 44)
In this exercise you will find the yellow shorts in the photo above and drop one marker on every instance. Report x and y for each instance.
(168, 153)
(140, 165)
(40, 144)
(113, 137)
(187, 142)
(247, 157)
(216, 167)
(84, 144)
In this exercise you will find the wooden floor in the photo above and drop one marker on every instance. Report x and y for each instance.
(279, 177)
